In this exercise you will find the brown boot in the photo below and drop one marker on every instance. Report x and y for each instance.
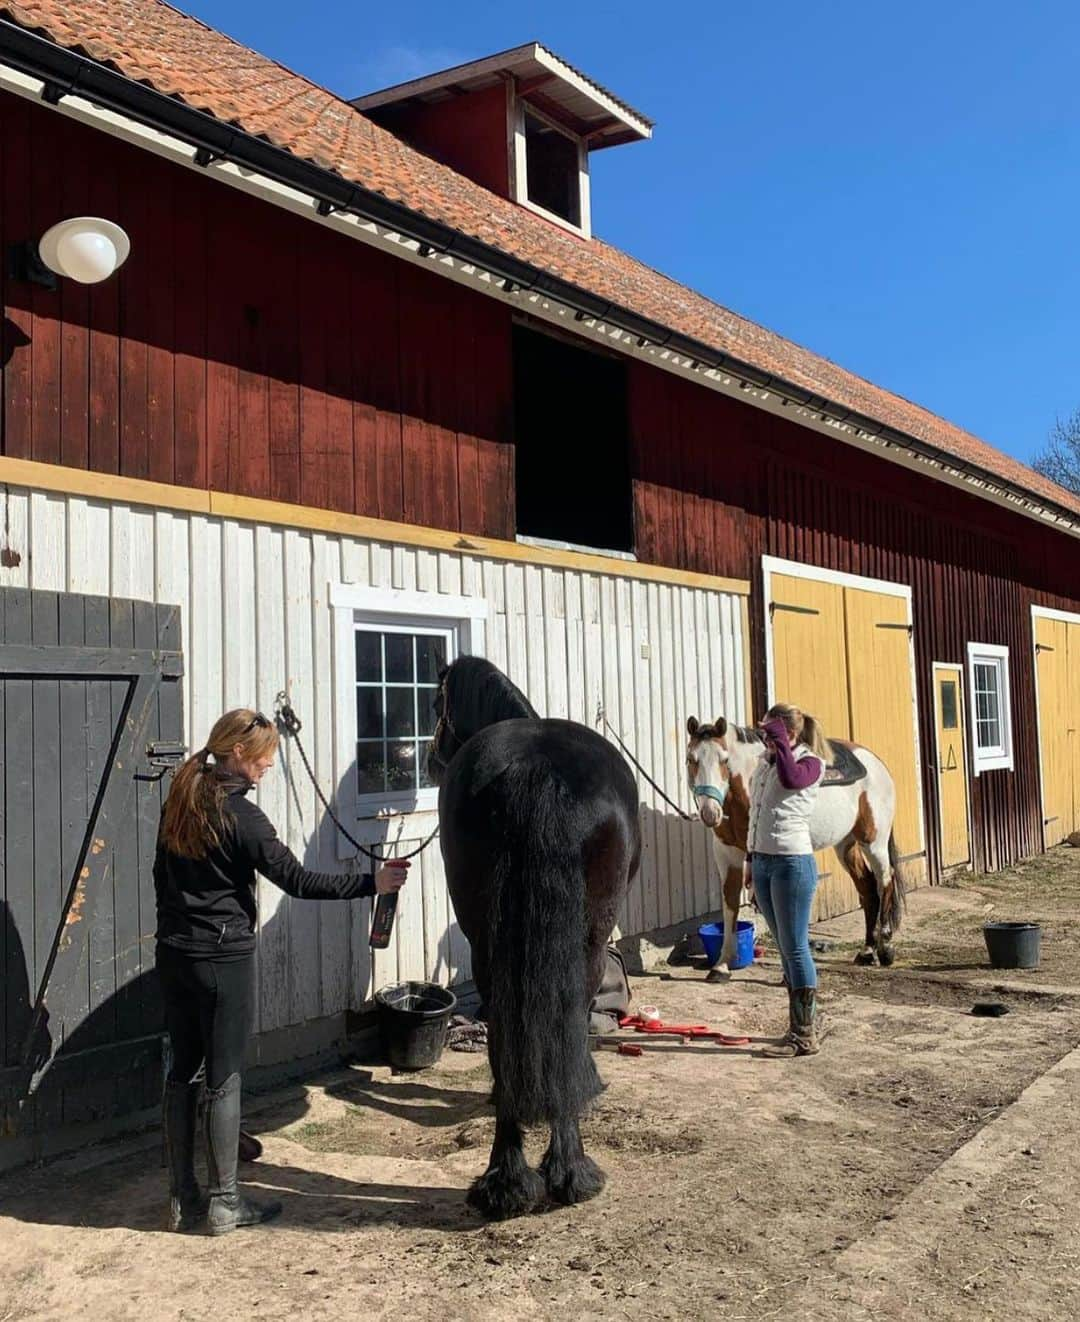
(802, 1036)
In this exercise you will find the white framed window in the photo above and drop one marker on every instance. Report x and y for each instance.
(389, 647)
(551, 169)
(990, 707)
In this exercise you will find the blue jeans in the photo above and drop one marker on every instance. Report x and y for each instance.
(784, 886)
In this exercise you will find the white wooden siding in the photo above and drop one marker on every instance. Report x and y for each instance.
(257, 619)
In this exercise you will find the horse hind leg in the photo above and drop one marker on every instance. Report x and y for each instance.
(569, 1175)
(854, 863)
(509, 1187)
(877, 852)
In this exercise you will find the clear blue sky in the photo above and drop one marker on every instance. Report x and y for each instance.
(895, 186)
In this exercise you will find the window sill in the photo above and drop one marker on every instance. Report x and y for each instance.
(547, 544)
(979, 765)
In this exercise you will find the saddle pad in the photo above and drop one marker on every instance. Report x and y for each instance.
(845, 769)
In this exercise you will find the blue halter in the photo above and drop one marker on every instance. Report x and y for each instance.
(711, 792)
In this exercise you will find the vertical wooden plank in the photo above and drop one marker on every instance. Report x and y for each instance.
(281, 331)
(204, 644)
(190, 463)
(18, 321)
(104, 307)
(250, 474)
(160, 316)
(75, 312)
(135, 289)
(46, 205)
(48, 540)
(222, 329)
(21, 969)
(316, 303)
(116, 967)
(238, 619)
(274, 790)
(135, 952)
(45, 764)
(333, 972)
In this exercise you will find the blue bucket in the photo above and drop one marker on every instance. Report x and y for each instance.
(712, 938)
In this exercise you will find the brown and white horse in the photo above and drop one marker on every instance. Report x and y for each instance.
(855, 818)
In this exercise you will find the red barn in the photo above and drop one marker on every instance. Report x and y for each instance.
(368, 392)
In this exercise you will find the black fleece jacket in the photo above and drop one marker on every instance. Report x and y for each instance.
(206, 906)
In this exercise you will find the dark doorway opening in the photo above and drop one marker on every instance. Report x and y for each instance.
(572, 450)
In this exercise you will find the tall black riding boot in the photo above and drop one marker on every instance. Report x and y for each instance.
(180, 1109)
(228, 1207)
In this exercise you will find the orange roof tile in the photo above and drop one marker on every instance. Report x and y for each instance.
(149, 41)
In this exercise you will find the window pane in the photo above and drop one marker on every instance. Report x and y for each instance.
(430, 658)
(369, 713)
(425, 703)
(368, 657)
(401, 766)
(399, 712)
(370, 768)
(425, 780)
(399, 658)
(949, 718)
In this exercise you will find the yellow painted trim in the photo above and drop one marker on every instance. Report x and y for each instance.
(101, 486)
(249, 509)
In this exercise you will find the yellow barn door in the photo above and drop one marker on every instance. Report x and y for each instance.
(809, 665)
(883, 708)
(952, 776)
(844, 654)
(1054, 641)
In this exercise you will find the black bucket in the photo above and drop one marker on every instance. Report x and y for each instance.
(1013, 945)
(413, 1019)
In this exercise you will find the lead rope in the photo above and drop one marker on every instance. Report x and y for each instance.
(290, 723)
(601, 719)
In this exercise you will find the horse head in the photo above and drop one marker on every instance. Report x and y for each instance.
(472, 695)
(719, 757)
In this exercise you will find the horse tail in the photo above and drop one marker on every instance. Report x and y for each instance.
(538, 1009)
(895, 896)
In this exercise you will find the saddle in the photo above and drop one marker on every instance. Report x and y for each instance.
(845, 768)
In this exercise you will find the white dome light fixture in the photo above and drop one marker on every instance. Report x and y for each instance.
(86, 249)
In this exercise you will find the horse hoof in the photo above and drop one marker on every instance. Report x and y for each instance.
(499, 1196)
(718, 973)
(886, 955)
(576, 1182)
(864, 957)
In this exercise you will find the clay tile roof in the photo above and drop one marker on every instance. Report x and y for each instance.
(150, 41)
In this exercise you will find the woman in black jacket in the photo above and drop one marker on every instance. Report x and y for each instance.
(211, 843)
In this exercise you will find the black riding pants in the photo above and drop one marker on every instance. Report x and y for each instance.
(208, 1013)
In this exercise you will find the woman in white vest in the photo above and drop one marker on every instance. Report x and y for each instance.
(780, 859)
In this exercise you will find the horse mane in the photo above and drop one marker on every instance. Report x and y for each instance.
(479, 695)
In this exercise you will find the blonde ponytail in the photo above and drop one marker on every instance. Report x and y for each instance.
(191, 822)
(804, 727)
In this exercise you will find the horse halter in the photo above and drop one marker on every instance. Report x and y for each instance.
(442, 725)
(711, 792)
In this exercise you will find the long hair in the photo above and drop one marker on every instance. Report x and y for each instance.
(191, 823)
(804, 728)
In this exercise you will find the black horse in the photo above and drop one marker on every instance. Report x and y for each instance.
(540, 837)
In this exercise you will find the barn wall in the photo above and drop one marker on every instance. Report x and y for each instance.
(254, 601)
(719, 484)
(243, 348)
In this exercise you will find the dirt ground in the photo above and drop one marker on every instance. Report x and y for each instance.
(924, 1165)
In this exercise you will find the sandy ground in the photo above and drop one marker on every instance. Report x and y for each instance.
(924, 1165)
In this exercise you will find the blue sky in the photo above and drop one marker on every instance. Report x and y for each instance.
(896, 187)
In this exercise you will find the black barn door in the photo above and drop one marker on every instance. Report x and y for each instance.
(90, 721)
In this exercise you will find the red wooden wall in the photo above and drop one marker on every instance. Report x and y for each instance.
(719, 484)
(468, 132)
(246, 349)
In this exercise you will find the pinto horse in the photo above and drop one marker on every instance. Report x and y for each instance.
(854, 816)
(540, 836)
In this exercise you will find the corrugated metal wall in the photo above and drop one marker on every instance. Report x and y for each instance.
(256, 614)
